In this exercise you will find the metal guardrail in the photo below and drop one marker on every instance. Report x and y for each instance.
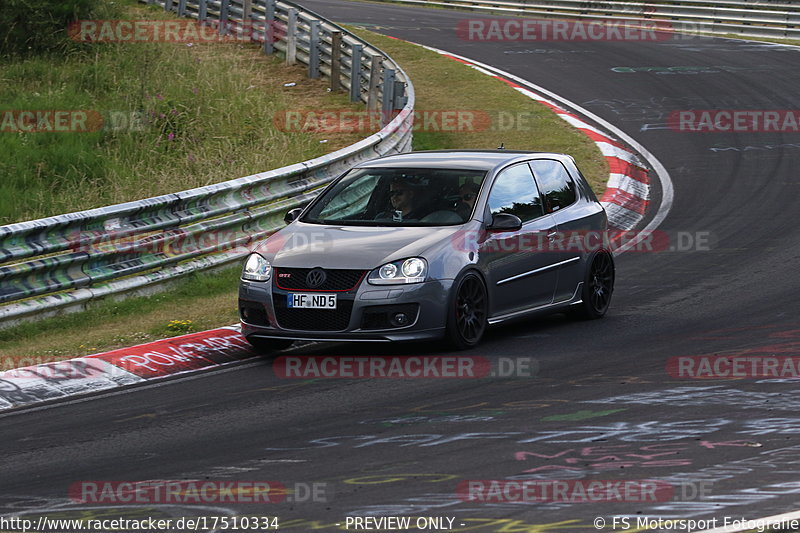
(745, 18)
(61, 262)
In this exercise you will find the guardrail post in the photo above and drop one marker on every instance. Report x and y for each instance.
(223, 16)
(336, 60)
(374, 83)
(247, 20)
(168, 5)
(291, 37)
(202, 10)
(313, 51)
(181, 8)
(388, 96)
(355, 72)
(269, 28)
(399, 95)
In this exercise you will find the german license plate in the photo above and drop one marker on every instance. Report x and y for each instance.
(302, 300)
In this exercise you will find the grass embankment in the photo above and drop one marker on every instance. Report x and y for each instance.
(209, 300)
(175, 116)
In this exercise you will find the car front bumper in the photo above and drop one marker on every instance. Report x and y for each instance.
(263, 315)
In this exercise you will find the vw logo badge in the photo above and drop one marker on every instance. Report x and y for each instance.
(316, 278)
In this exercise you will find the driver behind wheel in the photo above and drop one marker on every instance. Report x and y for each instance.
(405, 197)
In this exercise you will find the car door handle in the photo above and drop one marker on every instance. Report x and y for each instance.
(551, 234)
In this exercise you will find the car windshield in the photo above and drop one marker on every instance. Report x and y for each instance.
(399, 197)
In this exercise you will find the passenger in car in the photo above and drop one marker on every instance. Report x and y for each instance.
(468, 193)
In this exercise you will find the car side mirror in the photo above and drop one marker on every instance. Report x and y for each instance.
(292, 215)
(504, 222)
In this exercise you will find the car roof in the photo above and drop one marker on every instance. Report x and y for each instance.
(453, 159)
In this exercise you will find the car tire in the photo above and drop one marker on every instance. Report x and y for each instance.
(467, 312)
(267, 346)
(598, 286)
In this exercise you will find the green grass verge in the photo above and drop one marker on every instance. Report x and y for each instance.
(209, 300)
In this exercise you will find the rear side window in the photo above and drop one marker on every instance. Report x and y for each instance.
(514, 191)
(558, 189)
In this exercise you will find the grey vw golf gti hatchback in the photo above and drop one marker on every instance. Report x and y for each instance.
(431, 245)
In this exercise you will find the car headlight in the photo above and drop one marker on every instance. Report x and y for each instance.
(256, 268)
(412, 270)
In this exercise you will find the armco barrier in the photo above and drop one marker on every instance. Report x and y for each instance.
(64, 261)
(745, 18)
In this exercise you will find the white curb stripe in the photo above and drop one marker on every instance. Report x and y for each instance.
(623, 217)
(627, 183)
(530, 94)
(580, 124)
(609, 150)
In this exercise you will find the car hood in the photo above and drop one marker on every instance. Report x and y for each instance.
(303, 245)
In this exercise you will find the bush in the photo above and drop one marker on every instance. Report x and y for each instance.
(35, 26)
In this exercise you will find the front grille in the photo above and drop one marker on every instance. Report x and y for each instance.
(312, 319)
(294, 279)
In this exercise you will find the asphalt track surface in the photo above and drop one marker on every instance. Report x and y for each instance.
(386, 447)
